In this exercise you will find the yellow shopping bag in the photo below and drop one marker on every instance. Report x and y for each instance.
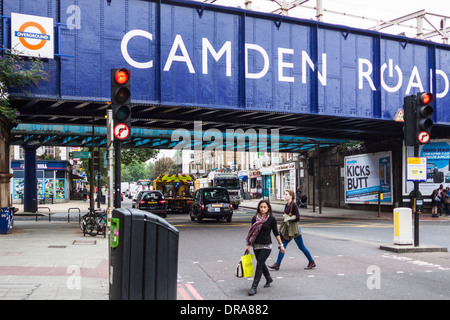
(247, 265)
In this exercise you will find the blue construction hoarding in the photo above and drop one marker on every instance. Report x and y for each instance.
(184, 53)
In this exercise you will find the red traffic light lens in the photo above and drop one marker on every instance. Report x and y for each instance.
(426, 98)
(121, 76)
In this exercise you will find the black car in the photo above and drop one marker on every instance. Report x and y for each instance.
(212, 203)
(152, 201)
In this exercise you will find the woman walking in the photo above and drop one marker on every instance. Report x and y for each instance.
(263, 223)
(292, 216)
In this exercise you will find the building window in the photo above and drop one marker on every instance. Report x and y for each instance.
(49, 152)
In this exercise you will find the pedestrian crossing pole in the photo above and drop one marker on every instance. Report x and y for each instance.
(418, 110)
(110, 142)
(416, 195)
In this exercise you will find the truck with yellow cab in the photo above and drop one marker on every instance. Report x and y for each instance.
(178, 190)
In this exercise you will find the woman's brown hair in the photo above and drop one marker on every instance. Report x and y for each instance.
(269, 212)
(291, 193)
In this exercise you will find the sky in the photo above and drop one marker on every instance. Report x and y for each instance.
(384, 10)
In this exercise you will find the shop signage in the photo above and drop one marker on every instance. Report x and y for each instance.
(283, 167)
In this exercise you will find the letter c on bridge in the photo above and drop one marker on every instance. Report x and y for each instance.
(124, 48)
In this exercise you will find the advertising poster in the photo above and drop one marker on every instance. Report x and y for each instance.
(48, 183)
(437, 154)
(366, 175)
(60, 188)
(18, 188)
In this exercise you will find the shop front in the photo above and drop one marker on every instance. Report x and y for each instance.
(255, 184)
(243, 179)
(268, 182)
(53, 181)
(285, 177)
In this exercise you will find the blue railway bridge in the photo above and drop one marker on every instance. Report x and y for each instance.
(226, 68)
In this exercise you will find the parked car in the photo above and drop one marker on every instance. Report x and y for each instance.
(212, 202)
(152, 201)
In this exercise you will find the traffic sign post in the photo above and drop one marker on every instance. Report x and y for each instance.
(423, 137)
(417, 130)
(121, 131)
(121, 114)
(121, 101)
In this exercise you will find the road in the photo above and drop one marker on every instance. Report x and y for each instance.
(350, 264)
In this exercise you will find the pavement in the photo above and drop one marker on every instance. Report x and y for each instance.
(43, 260)
(339, 213)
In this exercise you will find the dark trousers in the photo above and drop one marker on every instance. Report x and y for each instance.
(261, 257)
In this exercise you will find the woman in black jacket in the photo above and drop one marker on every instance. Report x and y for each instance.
(259, 237)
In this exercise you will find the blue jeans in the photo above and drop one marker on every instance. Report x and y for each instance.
(300, 245)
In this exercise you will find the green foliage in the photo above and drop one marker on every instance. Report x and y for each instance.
(163, 166)
(135, 156)
(17, 72)
(135, 172)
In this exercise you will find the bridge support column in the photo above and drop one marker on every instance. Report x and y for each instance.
(30, 180)
(5, 176)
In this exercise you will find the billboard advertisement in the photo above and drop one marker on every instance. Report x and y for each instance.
(437, 153)
(366, 175)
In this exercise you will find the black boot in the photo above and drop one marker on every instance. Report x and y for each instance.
(255, 283)
(266, 274)
(269, 280)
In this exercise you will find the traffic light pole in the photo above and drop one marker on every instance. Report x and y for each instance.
(110, 140)
(417, 130)
(91, 169)
(121, 115)
(416, 195)
(117, 172)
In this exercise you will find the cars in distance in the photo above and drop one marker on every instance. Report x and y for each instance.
(212, 203)
(133, 199)
(152, 201)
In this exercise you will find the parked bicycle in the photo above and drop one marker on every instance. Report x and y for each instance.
(93, 223)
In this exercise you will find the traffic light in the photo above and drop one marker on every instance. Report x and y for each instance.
(424, 111)
(409, 116)
(121, 103)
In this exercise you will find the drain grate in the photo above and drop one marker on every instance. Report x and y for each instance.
(85, 242)
(57, 247)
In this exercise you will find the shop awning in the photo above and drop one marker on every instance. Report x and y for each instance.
(76, 177)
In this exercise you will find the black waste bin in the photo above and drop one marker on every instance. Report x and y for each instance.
(143, 256)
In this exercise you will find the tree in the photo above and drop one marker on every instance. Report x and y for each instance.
(17, 72)
(21, 73)
(135, 172)
(134, 156)
(163, 166)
